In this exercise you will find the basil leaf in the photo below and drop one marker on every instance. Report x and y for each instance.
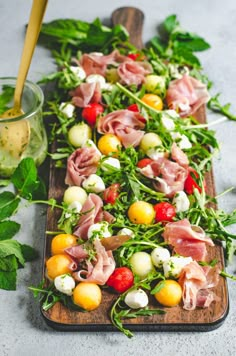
(28, 252)
(8, 280)
(8, 204)
(11, 247)
(8, 229)
(5, 97)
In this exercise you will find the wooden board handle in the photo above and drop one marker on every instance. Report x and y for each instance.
(132, 19)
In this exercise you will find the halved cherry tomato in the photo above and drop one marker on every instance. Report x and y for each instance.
(111, 193)
(164, 212)
(153, 100)
(91, 112)
(191, 184)
(133, 107)
(133, 56)
(144, 162)
(121, 279)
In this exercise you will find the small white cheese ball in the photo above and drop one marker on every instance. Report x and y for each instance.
(181, 140)
(64, 284)
(67, 109)
(126, 231)
(76, 207)
(111, 161)
(136, 299)
(96, 78)
(181, 202)
(99, 230)
(75, 193)
(155, 153)
(160, 255)
(94, 184)
(78, 71)
(174, 266)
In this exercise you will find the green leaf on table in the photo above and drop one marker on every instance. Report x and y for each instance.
(190, 41)
(29, 253)
(11, 247)
(170, 23)
(8, 204)
(8, 263)
(26, 180)
(8, 229)
(8, 280)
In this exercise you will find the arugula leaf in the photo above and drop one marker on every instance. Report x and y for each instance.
(8, 229)
(215, 105)
(11, 247)
(8, 280)
(8, 204)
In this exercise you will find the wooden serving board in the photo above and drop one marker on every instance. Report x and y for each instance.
(176, 318)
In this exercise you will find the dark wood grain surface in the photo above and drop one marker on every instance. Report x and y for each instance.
(176, 318)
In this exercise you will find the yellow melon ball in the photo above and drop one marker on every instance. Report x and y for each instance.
(87, 295)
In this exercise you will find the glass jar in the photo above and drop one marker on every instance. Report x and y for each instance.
(25, 135)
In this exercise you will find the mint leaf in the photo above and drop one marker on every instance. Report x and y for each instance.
(8, 264)
(8, 229)
(190, 41)
(11, 247)
(29, 253)
(170, 23)
(8, 280)
(25, 178)
(5, 97)
(8, 204)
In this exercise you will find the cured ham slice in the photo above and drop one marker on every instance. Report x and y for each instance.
(125, 124)
(77, 253)
(96, 63)
(100, 269)
(196, 281)
(187, 240)
(91, 213)
(131, 72)
(85, 94)
(179, 156)
(81, 163)
(168, 176)
(186, 95)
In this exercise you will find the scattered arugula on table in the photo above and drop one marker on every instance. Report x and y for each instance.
(14, 254)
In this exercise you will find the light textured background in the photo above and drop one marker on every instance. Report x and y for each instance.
(22, 329)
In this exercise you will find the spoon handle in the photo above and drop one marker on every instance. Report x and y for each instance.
(31, 37)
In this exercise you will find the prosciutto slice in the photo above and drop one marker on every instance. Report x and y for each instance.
(98, 271)
(186, 95)
(196, 281)
(85, 94)
(179, 156)
(96, 63)
(131, 72)
(168, 176)
(81, 163)
(187, 240)
(125, 124)
(91, 213)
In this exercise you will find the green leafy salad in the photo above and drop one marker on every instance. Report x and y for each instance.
(136, 218)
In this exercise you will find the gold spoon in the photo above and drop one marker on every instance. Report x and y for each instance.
(15, 135)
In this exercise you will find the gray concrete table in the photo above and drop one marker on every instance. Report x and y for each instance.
(22, 329)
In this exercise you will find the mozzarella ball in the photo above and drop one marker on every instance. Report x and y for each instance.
(78, 71)
(181, 202)
(75, 206)
(160, 255)
(173, 267)
(150, 140)
(168, 123)
(126, 231)
(79, 134)
(141, 264)
(64, 284)
(110, 161)
(136, 299)
(96, 78)
(73, 194)
(181, 140)
(99, 230)
(94, 184)
(67, 109)
(155, 153)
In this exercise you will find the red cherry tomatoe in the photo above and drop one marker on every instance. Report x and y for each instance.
(144, 162)
(191, 184)
(111, 193)
(121, 279)
(91, 112)
(165, 212)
